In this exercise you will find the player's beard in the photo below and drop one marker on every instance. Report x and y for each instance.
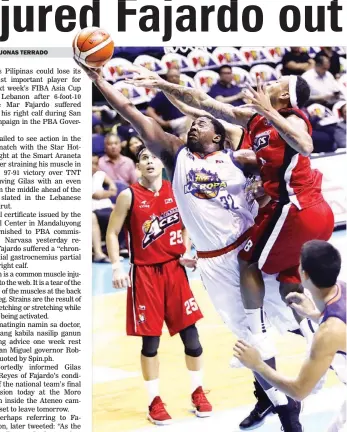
(194, 146)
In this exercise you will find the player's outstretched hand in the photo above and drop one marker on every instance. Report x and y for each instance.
(187, 261)
(120, 279)
(260, 100)
(93, 74)
(303, 305)
(248, 356)
(143, 77)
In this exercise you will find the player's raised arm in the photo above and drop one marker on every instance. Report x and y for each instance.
(120, 212)
(193, 97)
(233, 133)
(292, 129)
(161, 144)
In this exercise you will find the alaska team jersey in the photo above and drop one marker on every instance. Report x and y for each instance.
(154, 226)
(336, 308)
(211, 199)
(287, 176)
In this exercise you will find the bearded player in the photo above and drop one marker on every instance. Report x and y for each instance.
(209, 191)
(158, 286)
(281, 138)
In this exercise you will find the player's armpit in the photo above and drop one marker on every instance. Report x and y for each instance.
(246, 159)
(233, 135)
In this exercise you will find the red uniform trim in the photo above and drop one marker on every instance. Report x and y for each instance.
(226, 249)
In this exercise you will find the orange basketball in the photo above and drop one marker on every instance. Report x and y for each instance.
(93, 47)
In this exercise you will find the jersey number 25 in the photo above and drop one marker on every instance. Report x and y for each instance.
(191, 306)
(176, 237)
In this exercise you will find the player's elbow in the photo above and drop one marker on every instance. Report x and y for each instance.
(306, 147)
(300, 396)
(245, 158)
(149, 130)
(299, 393)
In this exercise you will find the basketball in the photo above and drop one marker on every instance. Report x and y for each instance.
(93, 47)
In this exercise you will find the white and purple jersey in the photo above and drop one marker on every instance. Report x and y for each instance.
(210, 194)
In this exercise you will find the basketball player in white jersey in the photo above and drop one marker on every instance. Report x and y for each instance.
(209, 190)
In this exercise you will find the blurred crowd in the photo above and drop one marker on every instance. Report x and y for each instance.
(115, 141)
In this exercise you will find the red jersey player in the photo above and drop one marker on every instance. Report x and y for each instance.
(158, 288)
(297, 212)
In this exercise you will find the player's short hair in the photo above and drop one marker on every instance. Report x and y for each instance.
(139, 150)
(95, 155)
(303, 92)
(322, 262)
(219, 129)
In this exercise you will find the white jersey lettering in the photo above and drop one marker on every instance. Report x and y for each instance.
(211, 199)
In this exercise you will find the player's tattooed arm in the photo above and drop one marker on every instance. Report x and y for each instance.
(161, 144)
(185, 109)
(233, 133)
(156, 140)
(192, 97)
(294, 131)
(200, 100)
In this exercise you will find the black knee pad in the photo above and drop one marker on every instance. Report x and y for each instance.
(193, 352)
(150, 345)
(190, 339)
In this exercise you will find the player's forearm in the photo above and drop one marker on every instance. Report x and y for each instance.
(186, 240)
(287, 385)
(112, 244)
(297, 138)
(200, 100)
(185, 109)
(124, 107)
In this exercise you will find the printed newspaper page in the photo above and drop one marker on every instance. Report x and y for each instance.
(174, 172)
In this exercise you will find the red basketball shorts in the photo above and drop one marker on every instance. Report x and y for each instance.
(160, 293)
(279, 233)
